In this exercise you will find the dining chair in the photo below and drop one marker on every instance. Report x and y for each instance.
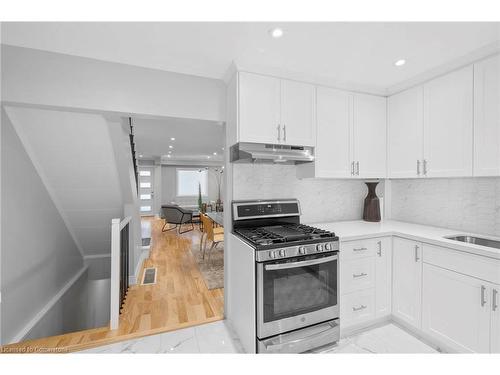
(216, 235)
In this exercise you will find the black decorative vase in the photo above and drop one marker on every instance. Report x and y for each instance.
(371, 210)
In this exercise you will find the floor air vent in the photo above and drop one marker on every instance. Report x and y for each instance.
(149, 276)
(146, 241)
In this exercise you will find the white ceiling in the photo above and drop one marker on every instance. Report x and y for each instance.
(347, 54)
(195, 140)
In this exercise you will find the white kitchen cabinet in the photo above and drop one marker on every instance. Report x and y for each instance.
(448, 125)
(383, 277)
(351, 136)
(298, 113)
(456, 309)
(259, 102)
(407, 281)
(369, 136)
(487, 117)
(275, 111)
(405, 133)
(333, 126)
(495, 319)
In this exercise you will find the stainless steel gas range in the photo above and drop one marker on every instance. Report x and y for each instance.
(296, 276)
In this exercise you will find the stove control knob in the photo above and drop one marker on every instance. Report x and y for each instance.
(302, 250)
(328, 246)
(282, 253)
(319, 247)
(272, 254)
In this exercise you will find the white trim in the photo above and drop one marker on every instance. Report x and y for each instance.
(125, 222)
(33, 322)
(114, 306)
(144, 255)
(31, 154)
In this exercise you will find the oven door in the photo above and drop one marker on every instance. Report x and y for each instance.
(296, 292)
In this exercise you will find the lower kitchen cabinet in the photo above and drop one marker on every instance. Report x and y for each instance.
(407, 281)
(383, 277)
(365, 280)
(495, 319)
(456, 309)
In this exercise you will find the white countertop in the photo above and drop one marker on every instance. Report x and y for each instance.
(355, 230)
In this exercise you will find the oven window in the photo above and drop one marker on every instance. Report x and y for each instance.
(299, 290)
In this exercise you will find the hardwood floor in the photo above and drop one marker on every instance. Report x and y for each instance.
(179, 299)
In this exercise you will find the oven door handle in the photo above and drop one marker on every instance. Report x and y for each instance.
(304, 263)
(331, 326)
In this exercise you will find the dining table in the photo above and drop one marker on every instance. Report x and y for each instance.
(216, 217)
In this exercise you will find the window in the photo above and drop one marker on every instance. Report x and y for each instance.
(145, 196)
(144, 173)
(145, 184)
(188, 181)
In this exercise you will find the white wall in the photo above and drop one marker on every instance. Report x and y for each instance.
(464, 204)
(38, 255)
(320, 199)
(37, 77)
(74, 156)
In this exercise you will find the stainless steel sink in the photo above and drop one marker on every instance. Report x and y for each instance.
(475, 240)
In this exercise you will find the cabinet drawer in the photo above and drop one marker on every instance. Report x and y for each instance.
(357, 307)
(359, 249)
(468, 264)
(357, 274)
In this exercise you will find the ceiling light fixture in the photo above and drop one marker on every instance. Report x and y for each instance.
(215, 153)
(400, 62)
(172, 139)
(276, 32)
(208, 157)
(170, 146)
(169, 156)
(140, 155)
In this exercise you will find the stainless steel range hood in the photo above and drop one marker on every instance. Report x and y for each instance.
(267, 153)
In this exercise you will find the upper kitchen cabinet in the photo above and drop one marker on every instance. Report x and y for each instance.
(276, 111)
(259, 101)
(297, 113)
(333, 127)
(448, 125)
(351, 136)
(405, 133)
(487, 117)
(369, 136)
(430, 128)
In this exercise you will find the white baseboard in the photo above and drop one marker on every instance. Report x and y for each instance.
(132, 280)
(360, 327)
(33, 322)
(432, 342)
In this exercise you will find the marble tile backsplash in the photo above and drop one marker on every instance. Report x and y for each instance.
(321, 200)
(467, 204)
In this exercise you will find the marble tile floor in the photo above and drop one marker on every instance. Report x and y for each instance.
(217, 338)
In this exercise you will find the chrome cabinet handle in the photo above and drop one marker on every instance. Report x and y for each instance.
(284, 133)
(494, 303)
(362, 307)
(418, 167)
(425, 167)
(379, 252)
(356, 275)
(352, 168)
(357, 168)
(360, 249)
(416, 253)
(279, 132)
(483, 297)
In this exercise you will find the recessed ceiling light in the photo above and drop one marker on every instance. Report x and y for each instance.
(215, 153)
(140, 155)
(170, 146)
(169, 156)
(172, 139)
(208, 157)
(400, 62)
(276, 32)
(170, 152)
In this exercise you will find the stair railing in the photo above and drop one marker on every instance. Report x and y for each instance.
(120, 253)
